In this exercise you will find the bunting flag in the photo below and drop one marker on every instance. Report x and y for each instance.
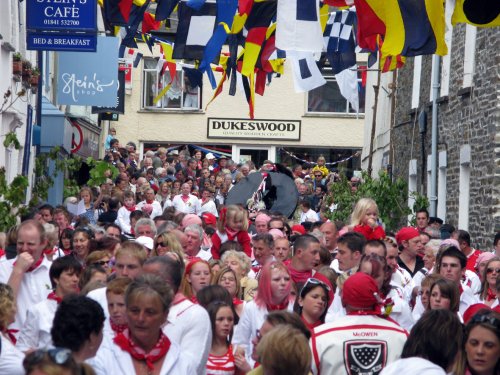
(347, 81)
(195, 4)
(149, 23)
(167, 51)
(339, 3)
(134, 55)
(339, 40)
(117, 12)
(194, 31)
(223, 69)
(480, 13)
(306, 74)
(257, 24)
(413, 28)
(299, 27)
(226, 10)
(136, 16)
(164, 8)
(370, 15)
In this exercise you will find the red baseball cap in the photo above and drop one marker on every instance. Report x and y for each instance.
(209, 218)
(299, 228)
(406, 234)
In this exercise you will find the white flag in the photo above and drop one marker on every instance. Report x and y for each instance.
(306, 74)
(348, 85)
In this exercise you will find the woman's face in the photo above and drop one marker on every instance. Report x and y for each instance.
(99, 276)
(117, 309)
(492, 271)
(314, 303)
(429, 258)
(280, 284)
(145, 317)
(483, 350)
(424, 296)
(177, 185)
(228, 281)
(66, 243)
(161, 246)
(80, 245)
(234, 263)
(199, 277)
(85, 195)
(437, 301)
(224, 322)
(197, 155)
(164, 189)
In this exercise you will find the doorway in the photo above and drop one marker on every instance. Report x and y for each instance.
(256, 154)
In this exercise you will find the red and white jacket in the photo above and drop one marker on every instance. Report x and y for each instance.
(356, 344)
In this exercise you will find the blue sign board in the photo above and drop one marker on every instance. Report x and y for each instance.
(67, 15)
(62, 42)
(89, 78)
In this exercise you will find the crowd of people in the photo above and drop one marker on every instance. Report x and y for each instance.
(154, 273)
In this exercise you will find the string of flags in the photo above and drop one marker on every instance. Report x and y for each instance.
(356, 154)
(248, 40)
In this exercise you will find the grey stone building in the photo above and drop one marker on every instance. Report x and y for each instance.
(468, 131)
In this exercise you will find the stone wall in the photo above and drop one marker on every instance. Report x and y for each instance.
(464, 117)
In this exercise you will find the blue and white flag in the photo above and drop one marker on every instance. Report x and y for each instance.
(306, 74)
(298, 26)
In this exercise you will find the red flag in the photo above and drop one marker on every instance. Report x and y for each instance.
(149, 23)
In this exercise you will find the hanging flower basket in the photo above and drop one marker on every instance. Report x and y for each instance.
(34, 80)
(17, 67)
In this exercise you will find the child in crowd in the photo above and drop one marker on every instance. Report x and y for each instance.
(221, 358)
(231, 226)
(123, 219)
(364, 220)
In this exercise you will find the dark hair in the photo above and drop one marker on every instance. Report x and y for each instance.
(137, 214)
(266, 238)
(376, 243)
(229, 245)
(463, 236)
(171, 271)
(112, 225)
(113, 203)
(88, 272)
(304, 291)
(76, 318)
(65, 263)
(453, 252)
(46, 206)
(68, 234)
(423, 210)
(427, 336)
(354, 241)
(213, 293)
(285, 317)
(212, 309)
(496, 239)
(448, 289)
(303, 242)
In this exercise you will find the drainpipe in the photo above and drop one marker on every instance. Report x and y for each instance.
(435, 92)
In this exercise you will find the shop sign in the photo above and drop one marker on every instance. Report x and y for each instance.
(89, 78)
(285, 130)
(74, 15)
(119, 106)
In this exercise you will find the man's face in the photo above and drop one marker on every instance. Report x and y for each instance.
(347, 258)
(302, 189)
(261, 251)
(281, 249)
(414, 246)
(113, 232)
(150, 195)
(29, 241)
(392, 257)
(422, 220)
(145, 230)
(61, 220)
(425, 239)
(128, 266)
(193, 243)
(261, 227)
(451, 269)
(244, 171)
(309, 257)
(370, 249)
(185, 189)
(329, 231)
(46, 215)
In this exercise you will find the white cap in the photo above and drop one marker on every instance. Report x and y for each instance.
(210, 156)
(145, 241)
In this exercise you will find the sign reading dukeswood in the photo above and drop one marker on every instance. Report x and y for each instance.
(285, 130)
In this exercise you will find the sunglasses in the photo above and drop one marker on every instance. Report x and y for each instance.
(318, 175)
(491, 270)
(162, 244)
(59, 356)
(487, 319)
(101, 263)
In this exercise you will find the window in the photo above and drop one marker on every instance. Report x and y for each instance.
(179, 96)
(328, 99)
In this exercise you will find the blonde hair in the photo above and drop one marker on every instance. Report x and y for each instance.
(221, 273)
(363, 205)
(7, 305)
(169, 240)
(234, 212)
(133, 249)
(95, 256)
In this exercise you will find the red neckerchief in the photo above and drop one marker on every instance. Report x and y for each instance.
(231, 233)
(130, 209)
(34, 266)
(185, 198)
(490, 296)
(53, 296)
(178, 298)
(149, 201)
(12, 335)
(299, 277)
(237, 301)
(159, 351)
(117, 328)
(310, 326)
(194, 300)
(281, 306)
(2, 252)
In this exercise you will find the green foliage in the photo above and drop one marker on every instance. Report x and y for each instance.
(391, 197)
(11, 139)
(100, 171)
(12, 196)
(17, 56)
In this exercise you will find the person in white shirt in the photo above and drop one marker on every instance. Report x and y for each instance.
(207, 203)
(150, 205)
(11, 358)
(308, 214)
(64, 276)
(188, 324)
(186, 202)
(28, 273)
(194, 238)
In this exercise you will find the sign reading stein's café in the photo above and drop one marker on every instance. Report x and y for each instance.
(285, 130)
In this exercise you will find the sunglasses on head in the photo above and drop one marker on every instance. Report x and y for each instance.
(59, 356)
(313, 281)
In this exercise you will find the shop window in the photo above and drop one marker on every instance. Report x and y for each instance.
(179, 96)
(328, 99)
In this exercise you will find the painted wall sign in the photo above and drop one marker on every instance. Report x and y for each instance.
(286, 130)
(67, 15)
(89, 78)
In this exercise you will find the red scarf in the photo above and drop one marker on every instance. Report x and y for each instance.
(150, 201)
(231, 233)
(12, 335)
(194, 300)
(282, 306)
(237, 301)
(491, 296)
(117, 328)
(130, 209)
(310, 326)
(2, 252)
(299, 277)
(159, 351)
(34, 266)
(185, 198)
(53, 296)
